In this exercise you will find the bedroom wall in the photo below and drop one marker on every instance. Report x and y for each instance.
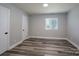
(73, 26)
(37, 25)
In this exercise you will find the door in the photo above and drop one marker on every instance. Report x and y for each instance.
(25, 27)
(4, 28)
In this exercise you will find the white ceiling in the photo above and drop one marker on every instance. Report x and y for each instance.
(37, 8)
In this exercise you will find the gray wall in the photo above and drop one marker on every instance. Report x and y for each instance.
(73, 25)
(15, 23)
(37, 25)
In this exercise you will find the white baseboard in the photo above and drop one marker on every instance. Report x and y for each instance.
(33, 37)
(73, 43)
(56, 38)
(45, 37)
(17, 44)
(27, 37)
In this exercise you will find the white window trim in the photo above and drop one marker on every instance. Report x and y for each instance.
(51, 28)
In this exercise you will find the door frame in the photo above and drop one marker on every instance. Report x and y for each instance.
(9, 30)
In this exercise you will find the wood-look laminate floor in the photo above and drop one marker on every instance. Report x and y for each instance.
(43, 47)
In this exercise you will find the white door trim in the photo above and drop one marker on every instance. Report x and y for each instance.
(9, 31)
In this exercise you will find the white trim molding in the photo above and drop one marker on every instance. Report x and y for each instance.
(17, 44)
(56, 38)
(73, 43)
(27, 37)
(46, 37)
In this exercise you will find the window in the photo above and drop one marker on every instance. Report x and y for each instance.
(51, 23)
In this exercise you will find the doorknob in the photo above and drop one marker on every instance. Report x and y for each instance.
(6, 32)
(23, 29)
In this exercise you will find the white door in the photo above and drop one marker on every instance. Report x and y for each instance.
(25, 27)
(4, 28)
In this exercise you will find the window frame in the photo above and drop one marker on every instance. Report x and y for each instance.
(56, 28)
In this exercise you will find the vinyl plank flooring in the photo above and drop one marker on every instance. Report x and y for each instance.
(43, 47)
